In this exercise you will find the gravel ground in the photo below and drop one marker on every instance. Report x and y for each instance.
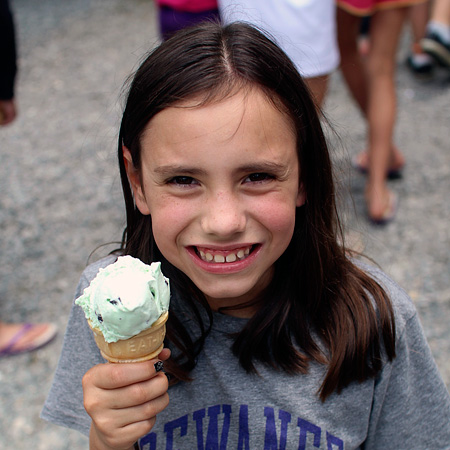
(61, 194)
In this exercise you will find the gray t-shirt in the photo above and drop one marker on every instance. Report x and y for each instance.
(407, 406)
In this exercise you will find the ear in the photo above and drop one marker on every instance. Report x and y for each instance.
(301, 196)
(135, 182)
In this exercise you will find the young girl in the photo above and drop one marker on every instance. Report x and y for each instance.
(278, 340)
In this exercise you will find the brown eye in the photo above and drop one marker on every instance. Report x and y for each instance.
(182, 180)
(258, 177)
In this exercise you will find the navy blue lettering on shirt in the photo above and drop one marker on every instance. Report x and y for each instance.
(210, 427)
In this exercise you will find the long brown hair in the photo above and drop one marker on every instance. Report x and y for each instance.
(320, 306)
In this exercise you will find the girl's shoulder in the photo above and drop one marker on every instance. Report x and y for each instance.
(91, 271)
(402, 304)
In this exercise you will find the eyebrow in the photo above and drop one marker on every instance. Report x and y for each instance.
(266, 166)
(171, 169)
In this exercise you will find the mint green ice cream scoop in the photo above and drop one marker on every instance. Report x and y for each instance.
(125, 298)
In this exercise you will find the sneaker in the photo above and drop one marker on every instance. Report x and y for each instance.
(421, 65)
(433, 44)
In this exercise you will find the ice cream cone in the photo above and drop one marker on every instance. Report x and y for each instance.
(142, 347)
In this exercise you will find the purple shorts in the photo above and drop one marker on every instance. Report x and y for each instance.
(171, 20)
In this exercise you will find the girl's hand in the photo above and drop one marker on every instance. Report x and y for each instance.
(123, 401)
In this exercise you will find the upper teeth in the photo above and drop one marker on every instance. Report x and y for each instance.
(231, 256)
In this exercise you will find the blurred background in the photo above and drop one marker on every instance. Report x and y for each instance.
(61, 197)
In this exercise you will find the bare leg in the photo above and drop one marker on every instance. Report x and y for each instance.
(318, 87)
(418, 17)
(385, 31)
(419, 62)
(353, 68)
(441, 11)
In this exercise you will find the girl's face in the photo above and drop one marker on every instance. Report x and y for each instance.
(221, 182)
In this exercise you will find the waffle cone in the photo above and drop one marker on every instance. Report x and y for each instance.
(142, 347)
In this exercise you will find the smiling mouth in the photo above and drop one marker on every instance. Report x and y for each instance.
(223, 256)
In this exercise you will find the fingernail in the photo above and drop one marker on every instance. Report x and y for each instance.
(159, 366)
(168, 376)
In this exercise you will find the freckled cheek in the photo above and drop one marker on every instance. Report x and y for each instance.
(169, 218)
(278, 218)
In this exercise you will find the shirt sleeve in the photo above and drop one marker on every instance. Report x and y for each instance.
(64, 404)
(411, 407)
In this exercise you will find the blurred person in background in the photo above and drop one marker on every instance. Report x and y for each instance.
(174, 15)
(15, 338)
(305, 30)
(372, 84)
(8, 67)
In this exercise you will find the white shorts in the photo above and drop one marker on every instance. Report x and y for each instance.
(304, 29)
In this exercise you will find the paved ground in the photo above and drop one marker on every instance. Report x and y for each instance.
(60, 194)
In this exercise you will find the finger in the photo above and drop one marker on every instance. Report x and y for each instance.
(119, 437)
(115, 376)
(165, 354)
(143, 412)
(120, 419)
(135, 431)
(138, 394)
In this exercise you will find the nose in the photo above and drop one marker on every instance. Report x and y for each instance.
(223, 215)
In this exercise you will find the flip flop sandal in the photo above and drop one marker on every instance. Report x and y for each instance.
(12, 349)
(392, 174)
